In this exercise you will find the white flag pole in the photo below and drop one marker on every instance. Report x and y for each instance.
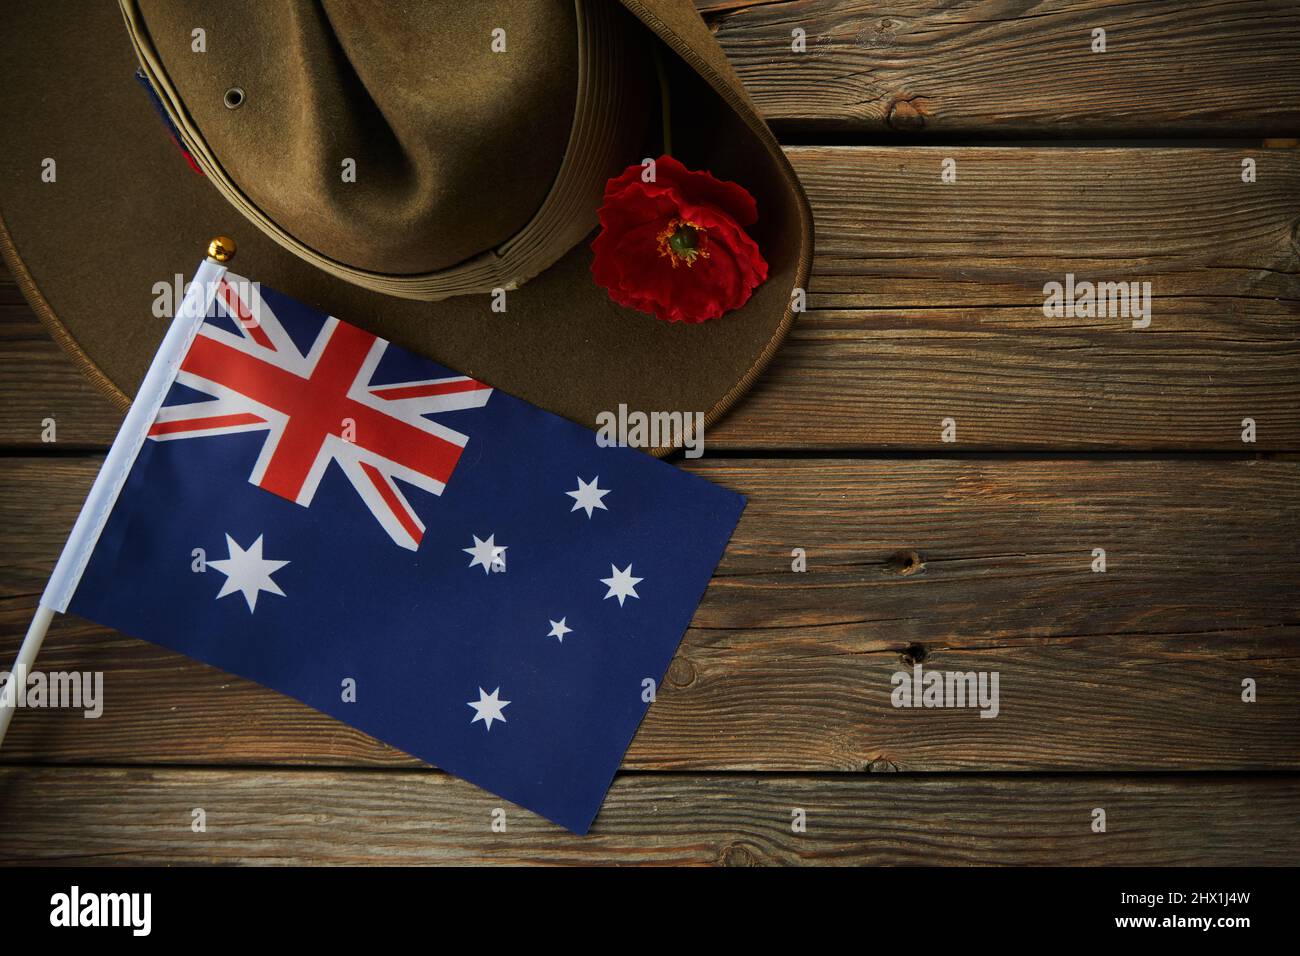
(117, 465)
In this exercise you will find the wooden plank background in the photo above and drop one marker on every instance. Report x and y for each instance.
(1120, 690)
(144, 816)
(983, 68)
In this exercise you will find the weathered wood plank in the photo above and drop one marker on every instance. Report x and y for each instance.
(1140, 667)
(926, 303)
(95, 816)
(1008, 67)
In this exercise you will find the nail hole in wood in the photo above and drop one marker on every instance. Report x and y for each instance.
(914, 654)
(904, 563)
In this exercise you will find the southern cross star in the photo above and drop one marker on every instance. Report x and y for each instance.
(588, 496)
(247, 572)
(488, 707)
(622, 584)
(488, 554)
(559, 629)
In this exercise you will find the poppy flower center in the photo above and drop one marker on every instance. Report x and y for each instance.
(682, 241)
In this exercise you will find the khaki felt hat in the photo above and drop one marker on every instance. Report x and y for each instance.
(480, 135)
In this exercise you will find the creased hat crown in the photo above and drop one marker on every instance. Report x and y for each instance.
(422, 149)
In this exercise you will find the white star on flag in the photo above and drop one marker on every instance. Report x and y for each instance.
(588, 496)
(488, 707)
(622, 584)
(558, 629)
(247, 572)
(486, 553)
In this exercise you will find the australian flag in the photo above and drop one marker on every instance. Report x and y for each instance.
(446, 567)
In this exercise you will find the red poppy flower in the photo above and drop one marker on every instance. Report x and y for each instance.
(677, 247)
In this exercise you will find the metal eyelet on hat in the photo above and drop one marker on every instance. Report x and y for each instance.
(234, 98)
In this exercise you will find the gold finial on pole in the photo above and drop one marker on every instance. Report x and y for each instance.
(221, 249)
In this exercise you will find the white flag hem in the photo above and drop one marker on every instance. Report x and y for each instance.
(131, 436)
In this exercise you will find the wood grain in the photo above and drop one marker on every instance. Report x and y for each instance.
(143, 816)
(964, 565)
(926, 304)
(1016, 68)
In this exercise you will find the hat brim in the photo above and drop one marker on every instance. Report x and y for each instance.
(125, 213)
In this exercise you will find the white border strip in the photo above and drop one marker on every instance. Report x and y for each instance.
(131, 436)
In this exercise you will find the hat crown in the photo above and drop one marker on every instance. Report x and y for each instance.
(396, 138)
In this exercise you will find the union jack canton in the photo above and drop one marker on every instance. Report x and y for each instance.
(444, 566)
